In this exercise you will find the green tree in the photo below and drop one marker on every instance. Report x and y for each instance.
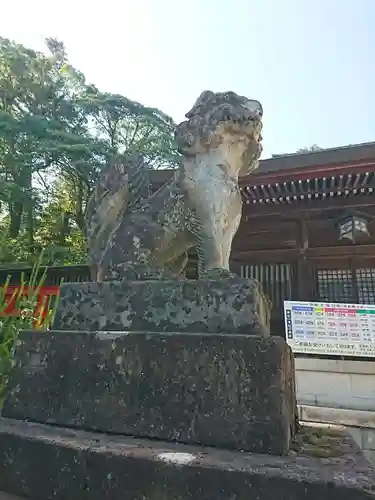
(42, 127)
(56, 133)
(129, 127)
(59, 228)
(310, 149)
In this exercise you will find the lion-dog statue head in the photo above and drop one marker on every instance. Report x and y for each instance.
(223, 121)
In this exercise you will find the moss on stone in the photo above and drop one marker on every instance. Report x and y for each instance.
(320, 441)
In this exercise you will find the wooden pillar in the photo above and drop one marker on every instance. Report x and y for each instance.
(305, 274)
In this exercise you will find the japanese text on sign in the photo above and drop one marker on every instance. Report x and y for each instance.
(325, 328)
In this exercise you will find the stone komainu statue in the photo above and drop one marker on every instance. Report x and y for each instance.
(134, 235)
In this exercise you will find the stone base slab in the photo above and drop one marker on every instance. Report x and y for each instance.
(209, 306)
(8, 496)
(43, 462)
(340, 416)
(230, 391)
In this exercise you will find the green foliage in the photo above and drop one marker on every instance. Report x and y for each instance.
(310, 149)
(25, 300)
(129, 127)
(56, 133)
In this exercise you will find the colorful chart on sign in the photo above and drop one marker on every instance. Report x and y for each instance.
(324, 328)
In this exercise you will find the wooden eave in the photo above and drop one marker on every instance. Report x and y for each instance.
(333, 184)
(306, 172)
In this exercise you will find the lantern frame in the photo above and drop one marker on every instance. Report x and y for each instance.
(353, 226)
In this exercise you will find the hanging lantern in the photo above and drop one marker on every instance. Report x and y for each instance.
(353, 226)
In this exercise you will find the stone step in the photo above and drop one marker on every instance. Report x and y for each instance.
(232, 391)
(44, 462)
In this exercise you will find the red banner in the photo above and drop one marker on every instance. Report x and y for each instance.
(12, 294)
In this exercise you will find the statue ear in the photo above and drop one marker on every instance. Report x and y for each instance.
(205, 96)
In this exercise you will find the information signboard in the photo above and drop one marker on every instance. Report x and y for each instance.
(325, 328)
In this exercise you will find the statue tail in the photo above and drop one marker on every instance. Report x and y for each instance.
(120, 188)
(138, 182)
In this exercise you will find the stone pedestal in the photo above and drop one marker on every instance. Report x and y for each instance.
(43, 462)
(176, 361)
(184, 306)
(230, 391)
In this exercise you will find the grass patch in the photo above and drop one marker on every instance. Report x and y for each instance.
(27, 314)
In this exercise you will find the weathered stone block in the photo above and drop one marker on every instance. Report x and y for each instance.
(43, 462)
(214, 306)
(231, 391)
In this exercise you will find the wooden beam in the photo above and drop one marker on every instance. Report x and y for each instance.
(359, 261)
(279, 224)
(341, 251)
(288, 255)
(265, 256)
(252, 211)
(285, 237)
(262, 225)
(290, 216)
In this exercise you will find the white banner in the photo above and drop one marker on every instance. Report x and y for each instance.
(325, 328)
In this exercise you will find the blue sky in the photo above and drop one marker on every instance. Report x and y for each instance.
(310, 62)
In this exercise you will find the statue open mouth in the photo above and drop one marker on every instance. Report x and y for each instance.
(239, 115)
(250, 127)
